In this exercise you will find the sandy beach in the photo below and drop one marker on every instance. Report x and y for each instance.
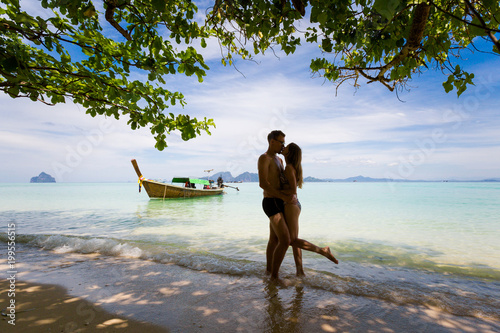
(69, 292)
(49, 308)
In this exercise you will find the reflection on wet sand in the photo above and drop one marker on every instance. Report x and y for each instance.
(281, 316)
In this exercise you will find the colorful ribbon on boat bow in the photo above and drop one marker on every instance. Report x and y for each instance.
(141, 179)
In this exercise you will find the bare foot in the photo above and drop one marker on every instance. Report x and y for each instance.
(329, 255)
(280, 282)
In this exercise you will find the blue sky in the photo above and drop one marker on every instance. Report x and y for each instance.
(431, 135)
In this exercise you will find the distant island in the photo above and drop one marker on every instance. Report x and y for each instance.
(245, 177)
(254, 177)
(362, 179)
(43, 178)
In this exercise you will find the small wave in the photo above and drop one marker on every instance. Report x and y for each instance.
(416, 289)
(396, 255)
(163, 253)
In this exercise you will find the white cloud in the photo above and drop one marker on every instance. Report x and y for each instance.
(368, 131)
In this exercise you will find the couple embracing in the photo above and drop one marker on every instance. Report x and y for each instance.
(281, 205)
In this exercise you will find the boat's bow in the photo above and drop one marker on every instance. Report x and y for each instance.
(156, 189)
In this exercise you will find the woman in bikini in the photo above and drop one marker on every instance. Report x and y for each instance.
(291, 179)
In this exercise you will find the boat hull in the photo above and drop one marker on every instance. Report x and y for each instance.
(160, 190)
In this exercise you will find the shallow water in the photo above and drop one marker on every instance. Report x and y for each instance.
(419, 243)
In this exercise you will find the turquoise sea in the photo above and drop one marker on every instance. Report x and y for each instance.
(428, 243)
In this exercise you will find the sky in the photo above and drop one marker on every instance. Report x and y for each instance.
(425, 134)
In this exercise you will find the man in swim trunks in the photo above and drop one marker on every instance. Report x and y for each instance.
(270, 168)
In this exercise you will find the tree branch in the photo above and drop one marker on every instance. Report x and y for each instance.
(420, 18)
(111, 5)
(483, 24)
(464, 21)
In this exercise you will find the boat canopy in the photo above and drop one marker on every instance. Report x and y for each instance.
(191, 180)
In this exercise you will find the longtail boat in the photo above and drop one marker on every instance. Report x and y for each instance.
(160, 190)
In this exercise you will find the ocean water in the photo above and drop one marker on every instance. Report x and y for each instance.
(434, 244)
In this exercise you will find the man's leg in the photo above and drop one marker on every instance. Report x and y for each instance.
(271, 247)
(280, 228)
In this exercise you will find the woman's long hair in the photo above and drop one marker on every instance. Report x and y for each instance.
(294, 157)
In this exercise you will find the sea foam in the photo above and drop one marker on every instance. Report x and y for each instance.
(400, 286)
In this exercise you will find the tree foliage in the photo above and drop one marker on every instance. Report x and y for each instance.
(99, 53)
(386, 41)
(79, 54)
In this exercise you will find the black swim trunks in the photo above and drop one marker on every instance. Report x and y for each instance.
(273, 206)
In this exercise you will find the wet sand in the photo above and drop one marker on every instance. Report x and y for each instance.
(49, 308)
(67, 292)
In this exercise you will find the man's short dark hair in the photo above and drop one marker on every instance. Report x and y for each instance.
(274, 135)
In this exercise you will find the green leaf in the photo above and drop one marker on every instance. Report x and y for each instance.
(322, 17)
(386, 8)
(200, 77)
(34, 96)
(448, 84)
(89, 11)
(13, 91)
(171, 69)
(9, 64)
(327, 45)
(314, 12)
(158, 5)
(160, 144)
(475, 30)
(65, 58)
